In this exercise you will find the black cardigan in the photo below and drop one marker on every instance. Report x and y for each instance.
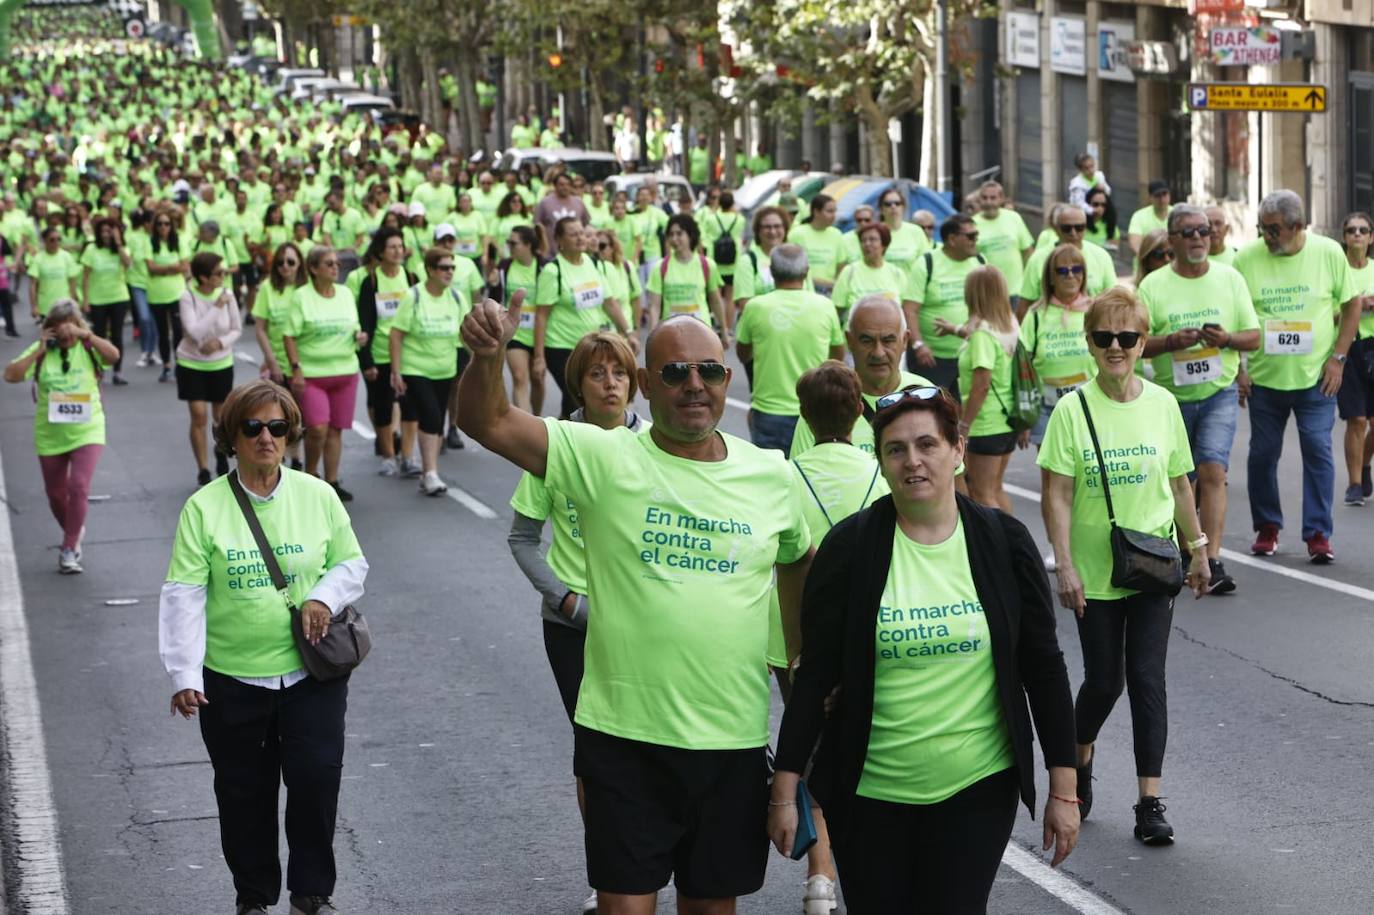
(367, 315)
(839, 612)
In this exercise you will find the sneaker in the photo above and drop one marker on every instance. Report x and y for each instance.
(1150, 825)
(250, 908)
(410, 468)
(165, 375)
(453, 441)
(221, 465)
(431, 485)
(1366, 482)
(11, 332)
(203, 476)
(819, 898)
(119, 380)
(1085, 787)
(1266, 541)
(312, 905)
(1221, 583)
(1319, 550)
(589, 904)
(67, 563)
(1354, 496)
(143, 361)
(388, 468)
(344, 495)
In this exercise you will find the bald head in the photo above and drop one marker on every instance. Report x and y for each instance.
(688, 409)
(876, 312)
(682, 338)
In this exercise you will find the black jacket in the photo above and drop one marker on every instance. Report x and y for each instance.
(839, 612)
(367, 315)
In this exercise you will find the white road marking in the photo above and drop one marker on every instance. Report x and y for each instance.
(42, 884)
(469, 501)
(1253, 561)
(737, 404)
(1055, 883)
(251, 360)
(363, 430)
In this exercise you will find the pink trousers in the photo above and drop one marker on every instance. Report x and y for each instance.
(67, 478)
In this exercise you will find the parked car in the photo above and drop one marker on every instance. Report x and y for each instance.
(589, 163)
(671, 188)
(287, 78)
(364, 103)
(854, 191)
(756, 189)
(804, 186)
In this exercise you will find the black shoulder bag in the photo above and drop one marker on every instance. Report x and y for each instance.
(1140, 561)
(348, 640)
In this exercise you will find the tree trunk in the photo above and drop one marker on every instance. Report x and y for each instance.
(731, 172)
(408, 75)
(470, 116)
(230, 14)
(596, 115)
(928, 135)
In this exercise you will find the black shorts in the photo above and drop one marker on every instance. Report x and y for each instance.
(464, 357)
(381, 398)
(428, 399)
(516, 344)
(196, 384)
(655, 813)
(565, 647)
(1355, 397)
(993, 445)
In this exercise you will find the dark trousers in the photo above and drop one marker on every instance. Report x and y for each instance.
(557, 360)
(1125, 643)
(935, 859)
(108, 321)
(167, 320)
(258, 739)
(7, 309)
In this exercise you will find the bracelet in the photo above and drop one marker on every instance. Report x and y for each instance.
(1067, 800)
(1199, 542)
(782, 803)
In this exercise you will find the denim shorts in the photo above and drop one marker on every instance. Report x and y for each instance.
(1037, 435)
(768, 430)
(1211, 425)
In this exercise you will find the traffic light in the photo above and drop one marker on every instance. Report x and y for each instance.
(555, 60)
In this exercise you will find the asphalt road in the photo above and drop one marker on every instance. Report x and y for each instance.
(458, 794)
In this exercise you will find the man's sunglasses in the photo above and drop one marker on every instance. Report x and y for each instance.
(1194, 232)
(252, 428)
(1102, 339)
(1270, 231)
(674, 374)
(1071, 227)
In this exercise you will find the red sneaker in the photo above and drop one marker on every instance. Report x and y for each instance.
(1319, 550)
(1266, 541)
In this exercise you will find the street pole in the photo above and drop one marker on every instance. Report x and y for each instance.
(941, 113)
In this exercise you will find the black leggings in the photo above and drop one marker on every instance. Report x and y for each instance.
(1125, 642)
(167, 320)
(7, 308)
(557, 362)
(428, 399)
(108, 321)
(936, 859)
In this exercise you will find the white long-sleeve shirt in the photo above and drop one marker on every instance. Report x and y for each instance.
(202, 320)
(181, 621)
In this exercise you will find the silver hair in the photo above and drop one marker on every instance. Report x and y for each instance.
(875, 300)
(1183, 211)
(1286, 205)
(789, 263)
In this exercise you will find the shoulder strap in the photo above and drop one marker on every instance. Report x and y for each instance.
(981, 258)
(1035, 331)
(705, 270)
(930, 271)
(663, 267)
(720, 225)
(1101, 464)
(819, 503)
(269, 559)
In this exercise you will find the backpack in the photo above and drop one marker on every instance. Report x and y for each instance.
(1026, 394)
(930, 266)
(723, 249)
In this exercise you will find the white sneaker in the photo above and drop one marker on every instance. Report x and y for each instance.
(410, 467)
(589, 904)
(67, 563)
(388, 468)
(142, 361)
(819, 898)
(431, 485)
(1049, 563)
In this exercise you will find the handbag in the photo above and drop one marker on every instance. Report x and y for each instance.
(1140, 561)
(348, 640)
(806, 823)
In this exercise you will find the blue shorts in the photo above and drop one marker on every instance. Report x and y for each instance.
(1211, 425)
(768, 430)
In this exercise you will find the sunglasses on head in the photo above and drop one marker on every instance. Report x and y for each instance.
(1194, 232)
(675, 374)
(1071, 270)
(1102, 339)
(252, 428)
(913, 393)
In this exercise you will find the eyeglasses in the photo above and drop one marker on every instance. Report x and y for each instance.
(1160, 254)
(1270, 231)
(1071, 270)
(896, 397)
(1194, 232)
(1357, 230)
(443, 267)
(1069, 228)
(971, 236)
(252, 428)
(1102, 339)
(892, 203)
(290, 262)
(674, 374)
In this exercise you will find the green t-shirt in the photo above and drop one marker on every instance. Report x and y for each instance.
(983, 351)
(247, 624)
(1298, 301)
(687, 286)
(651, 222)
(341, 230)
(139, 246)
(574, 294)
(597, 216)
(107, 283)
(938, 724)
(861, 436)
(622, 284)
(1144, 445)
(791, 331)
(523, 276)
(940, 295)
(163, 290)
(1219, 296)
(1054, 337)
(627, 231)
(68, 414)
(698, 165)
(908, 243)
(1364, 282)
(676, 645)
(390, 291)
(437, 200)
(324, 330)
(1001, 241)
(1144, 221)
(470, 229)
(274, 307)
(1101, 272)
(1227, 256)
(54, 273)
(430, 324)
(857, 280)
(1047, 238)
(824, 250)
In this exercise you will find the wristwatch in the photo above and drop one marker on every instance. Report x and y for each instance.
(295, 367)
(1339, 357)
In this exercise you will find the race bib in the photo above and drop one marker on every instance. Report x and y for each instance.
(1051, 389)
(1198, 366)
(467, 247)
(387, 305)
(685, 308)
(587, 295)
(1287, 338)
(527, 320)
(69, 408)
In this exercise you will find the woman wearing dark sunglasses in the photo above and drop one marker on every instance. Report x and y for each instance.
(68, 423)
(1355, 399)
(1124, 634)
(224, 634)
(1154, 253)
(1052, 332)
(922, 762)
(167, 265)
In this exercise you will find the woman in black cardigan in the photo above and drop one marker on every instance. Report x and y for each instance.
(934, 617)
